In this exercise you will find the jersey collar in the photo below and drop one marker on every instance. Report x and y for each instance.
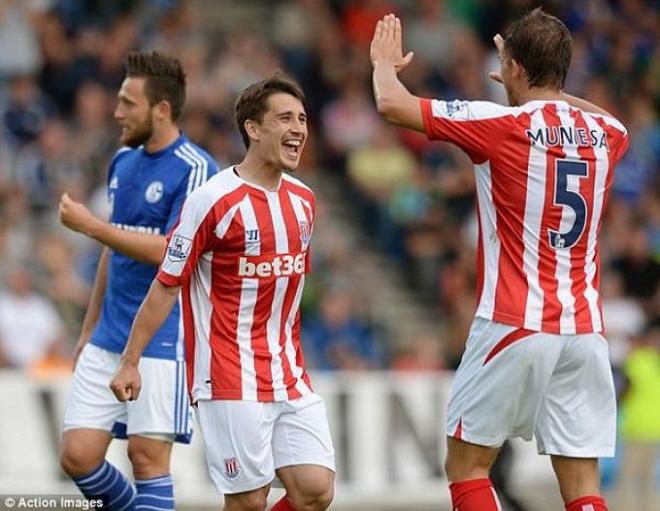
(182, 139)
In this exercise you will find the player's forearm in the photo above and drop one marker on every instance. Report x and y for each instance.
(146, 248)
(585, 105)
(153, 312)
(93, 311)
(393, 100)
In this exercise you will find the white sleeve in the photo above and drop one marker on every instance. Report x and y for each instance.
(189, 239)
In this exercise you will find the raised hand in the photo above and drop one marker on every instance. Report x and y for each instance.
(387, 46)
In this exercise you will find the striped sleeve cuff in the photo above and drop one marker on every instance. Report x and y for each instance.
(168, 280)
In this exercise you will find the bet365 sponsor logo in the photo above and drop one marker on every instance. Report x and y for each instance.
(284, 265)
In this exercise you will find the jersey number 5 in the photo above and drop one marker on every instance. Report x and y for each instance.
(571, 199)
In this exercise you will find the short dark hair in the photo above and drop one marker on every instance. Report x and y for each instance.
(541, 43)
(164, 78)
(252, 103)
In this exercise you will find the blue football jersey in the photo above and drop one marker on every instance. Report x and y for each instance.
(146, 192)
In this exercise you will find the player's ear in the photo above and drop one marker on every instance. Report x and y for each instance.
(517, 70)
(163, 110)
(252, 129)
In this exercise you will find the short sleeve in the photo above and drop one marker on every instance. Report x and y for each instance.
(619, 141)
(474, 126)
(188, 240)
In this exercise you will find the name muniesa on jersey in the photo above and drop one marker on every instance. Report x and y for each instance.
(543, 172)
(146, 192)
(241, 254)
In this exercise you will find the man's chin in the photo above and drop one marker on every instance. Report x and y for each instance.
(290, 166)
(132, 142)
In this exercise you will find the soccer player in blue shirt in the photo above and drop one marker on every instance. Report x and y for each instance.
(148, 181)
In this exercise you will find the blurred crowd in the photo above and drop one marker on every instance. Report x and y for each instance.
(415, 200)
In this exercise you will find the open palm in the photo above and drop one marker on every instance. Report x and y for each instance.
(387, 46)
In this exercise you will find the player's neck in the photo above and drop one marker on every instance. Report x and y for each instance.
(162, 138)
(256, 171)
(539, 94)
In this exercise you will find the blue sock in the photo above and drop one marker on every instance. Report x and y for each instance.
(108, 484)
(155, 494)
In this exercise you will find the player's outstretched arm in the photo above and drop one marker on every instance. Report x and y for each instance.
(574, 101)
(153, 312)
(146, 248)
(393, 100)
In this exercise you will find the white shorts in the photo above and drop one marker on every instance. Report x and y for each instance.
(163, 407)
(246, 441)
(517, 383)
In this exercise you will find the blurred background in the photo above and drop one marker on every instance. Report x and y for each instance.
(388, 306)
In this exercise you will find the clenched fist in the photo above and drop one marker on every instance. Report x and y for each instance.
(126, 383)
(75, 215)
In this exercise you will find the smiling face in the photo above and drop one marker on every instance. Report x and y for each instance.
(280, 136)
(133, 113)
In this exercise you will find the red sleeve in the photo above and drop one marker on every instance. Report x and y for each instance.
(620, 143)
(431, 127)
(617, 137)
(308, 254)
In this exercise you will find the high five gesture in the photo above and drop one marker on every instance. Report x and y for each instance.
(387, 45)
(393, 100)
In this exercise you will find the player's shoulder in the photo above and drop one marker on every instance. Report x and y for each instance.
(462, 110)
(191, 156)
(295, 184)
(218, 187)
(124, 157)
(188, 147)
(608, 120)
(563, 106)
(123, 153)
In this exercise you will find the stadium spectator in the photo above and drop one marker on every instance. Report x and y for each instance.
(18, 31)
(422, 353)
(624, 317)
(640, 428)
(25, 109)
(337, 339)
(30, 328)
(49, 166)
(640, 271)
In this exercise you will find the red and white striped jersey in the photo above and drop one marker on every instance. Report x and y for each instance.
(543, 172)
(241, 253)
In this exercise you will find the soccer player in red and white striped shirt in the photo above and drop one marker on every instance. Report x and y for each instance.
(535, 362)
(239, 255)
